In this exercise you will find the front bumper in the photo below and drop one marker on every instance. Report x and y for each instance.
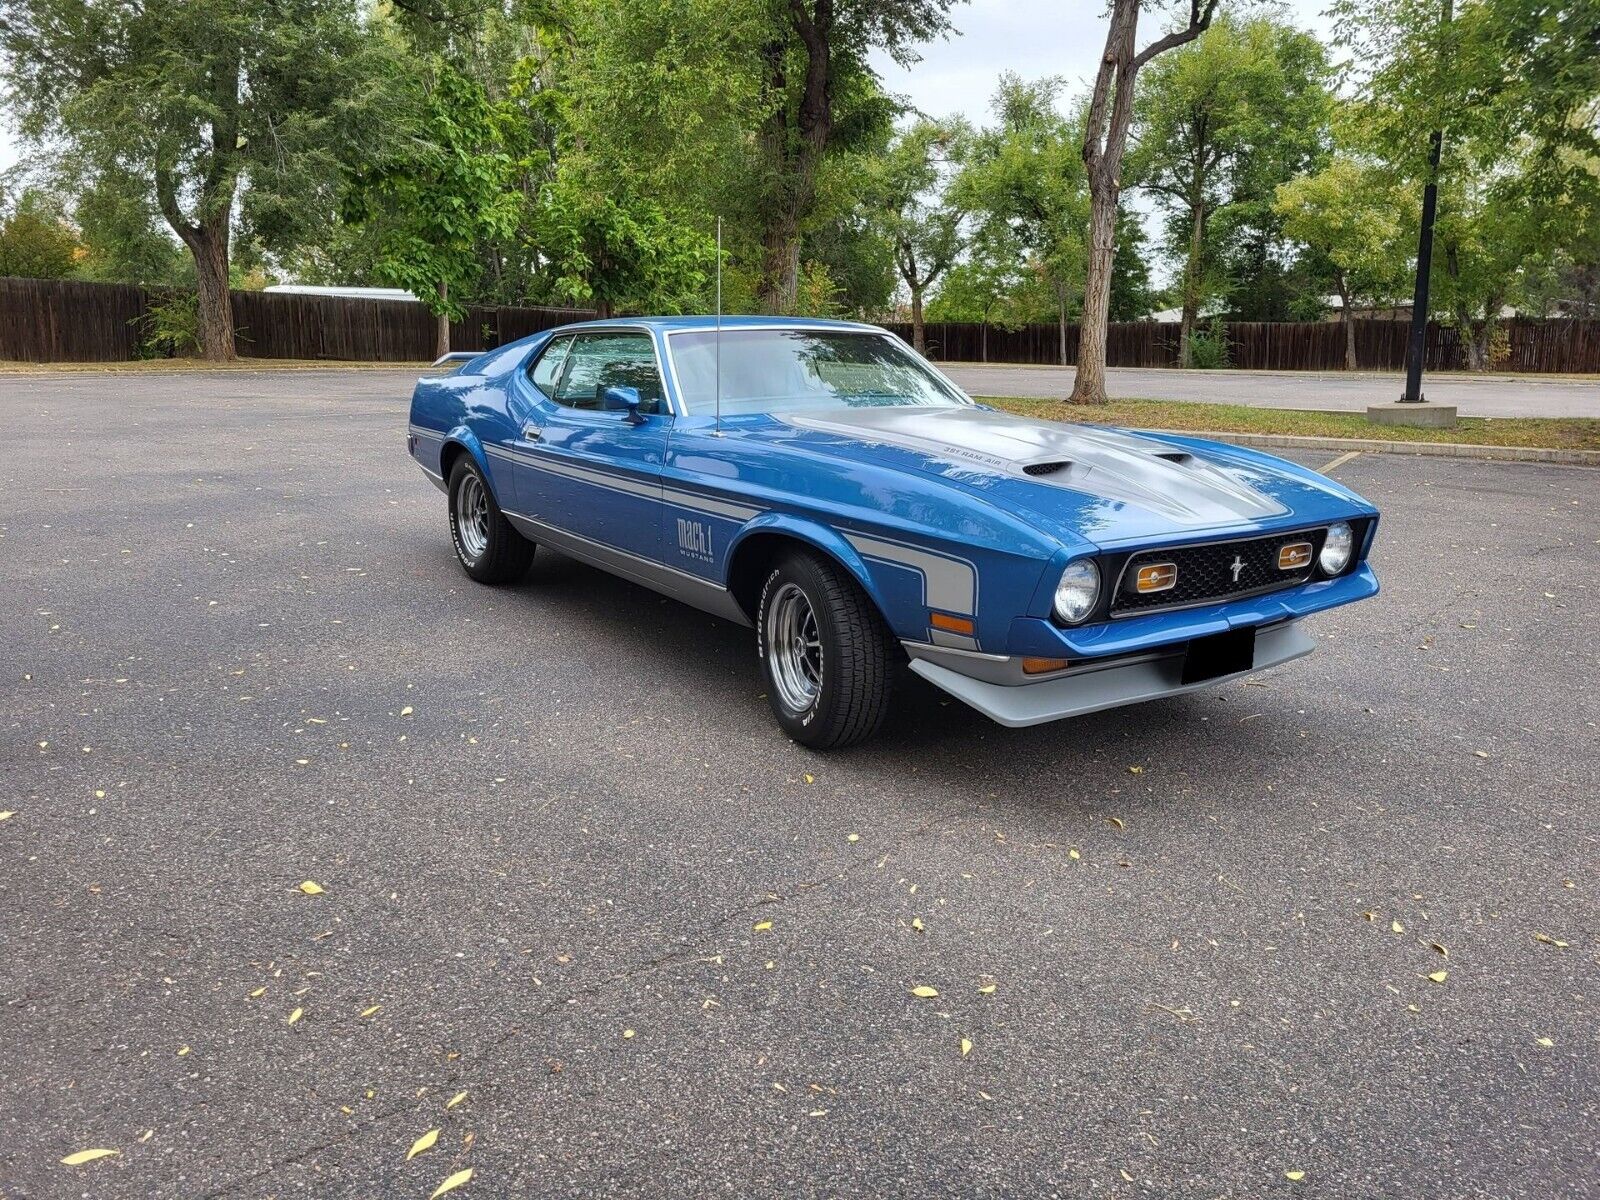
(1094, 686)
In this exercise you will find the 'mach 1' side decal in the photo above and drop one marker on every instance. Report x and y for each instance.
(694, 540)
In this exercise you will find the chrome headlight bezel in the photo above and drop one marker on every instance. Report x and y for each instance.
(1078, 591)
(1338, 548)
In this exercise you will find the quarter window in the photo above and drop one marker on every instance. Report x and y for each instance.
(601, 360)
(547, 369)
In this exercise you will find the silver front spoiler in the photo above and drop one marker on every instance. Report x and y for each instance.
(1092, 689)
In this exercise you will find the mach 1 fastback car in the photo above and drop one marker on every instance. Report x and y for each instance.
(822, 482)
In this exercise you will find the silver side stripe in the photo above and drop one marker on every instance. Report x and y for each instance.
(545, 529)
(633, 487)
(947, 583)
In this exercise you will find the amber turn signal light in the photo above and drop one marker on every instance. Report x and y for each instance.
(1157, 577)
(1294, 556)
(952, 624)
(1038, 666)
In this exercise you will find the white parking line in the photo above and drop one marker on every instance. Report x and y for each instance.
(1340, 461)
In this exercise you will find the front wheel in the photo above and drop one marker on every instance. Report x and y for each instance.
(490, 550)
(825, 653)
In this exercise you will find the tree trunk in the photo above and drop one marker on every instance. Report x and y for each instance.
(779, 290)
(208, 242)
(983, 340)
(1104, 141)
(1061, 321)
(919, 342)
(1347, 320)
(1090, 385)
(1191, 276)
(441, 323)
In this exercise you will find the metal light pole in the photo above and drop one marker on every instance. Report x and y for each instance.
(1419, 297)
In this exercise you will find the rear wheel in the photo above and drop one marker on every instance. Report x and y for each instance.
(490, 550)
(825, 653)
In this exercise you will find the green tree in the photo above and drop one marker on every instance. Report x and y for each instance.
(36, 242)
(125, 239)
(1354, 216)
(812, 54)
(1220, 123)
(1509, 87)
(211, 104)
(430, 207)
(616, 251)
(1025, 171)
(921, 221)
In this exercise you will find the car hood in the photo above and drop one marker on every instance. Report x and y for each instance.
(1077, 482)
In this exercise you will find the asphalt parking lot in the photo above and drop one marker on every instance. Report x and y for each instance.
(586, 913)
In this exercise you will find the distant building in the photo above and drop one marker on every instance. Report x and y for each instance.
(350, 293)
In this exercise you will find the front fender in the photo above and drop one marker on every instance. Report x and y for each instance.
(814, 534)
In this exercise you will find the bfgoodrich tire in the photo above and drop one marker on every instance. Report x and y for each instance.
(825, 653)
(489, 549)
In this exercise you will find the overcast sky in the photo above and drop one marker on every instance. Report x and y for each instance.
(1033, 38)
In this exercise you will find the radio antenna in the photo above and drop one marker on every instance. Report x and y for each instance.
(717, 427)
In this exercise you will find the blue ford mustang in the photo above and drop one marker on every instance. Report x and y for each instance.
(820, 481)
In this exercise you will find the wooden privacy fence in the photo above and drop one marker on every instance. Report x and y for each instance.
(61, 320)
(51, 320)
(1556, 345)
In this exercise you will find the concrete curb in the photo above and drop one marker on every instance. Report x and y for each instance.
(1277, 441)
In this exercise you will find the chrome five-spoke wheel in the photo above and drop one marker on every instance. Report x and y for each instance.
(472, 516)
(794, 648)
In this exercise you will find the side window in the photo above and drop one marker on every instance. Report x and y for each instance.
(547, 368)
(601, 360)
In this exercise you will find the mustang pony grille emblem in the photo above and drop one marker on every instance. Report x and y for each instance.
(1236, 567)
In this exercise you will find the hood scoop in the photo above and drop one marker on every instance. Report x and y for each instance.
(1113, 466)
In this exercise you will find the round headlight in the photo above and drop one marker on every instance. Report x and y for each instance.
(1078, 590)
(1337, 547)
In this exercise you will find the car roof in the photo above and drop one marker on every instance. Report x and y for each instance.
(677, 324)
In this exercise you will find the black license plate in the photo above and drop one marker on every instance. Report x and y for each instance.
(1220, 654)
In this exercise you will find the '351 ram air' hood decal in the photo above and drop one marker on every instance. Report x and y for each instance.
(1156, 476)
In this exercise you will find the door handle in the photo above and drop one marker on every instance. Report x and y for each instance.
(531, 432)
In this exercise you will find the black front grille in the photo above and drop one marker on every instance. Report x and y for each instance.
(1207, 572)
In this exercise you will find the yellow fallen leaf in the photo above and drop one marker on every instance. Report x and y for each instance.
(1545, 1042)
(83, 1156)
(1439, 976)
(924, 992)
(1123, 1171)
(451, 1184)
(762, 926)
(966, 1047)
(916, 923)
(1370, 915)
(809, 779)
(854, 837)
(988, 989)
(1550, 941)
(425, 1142)
(984, 1095)
(311, 888)
(295, 1016)
(1074, 855)
(455, 1100)
(406, 711)
(1440, 949)
(627, 1033)
(182, 1050)
(260, 991)
(1117, 821)
(7, 815)
(1396, 927)
(367, 1012)
(1294, 1176)
(1135, 770)
(146, 1136)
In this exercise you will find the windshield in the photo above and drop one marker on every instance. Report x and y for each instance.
(786, 370)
